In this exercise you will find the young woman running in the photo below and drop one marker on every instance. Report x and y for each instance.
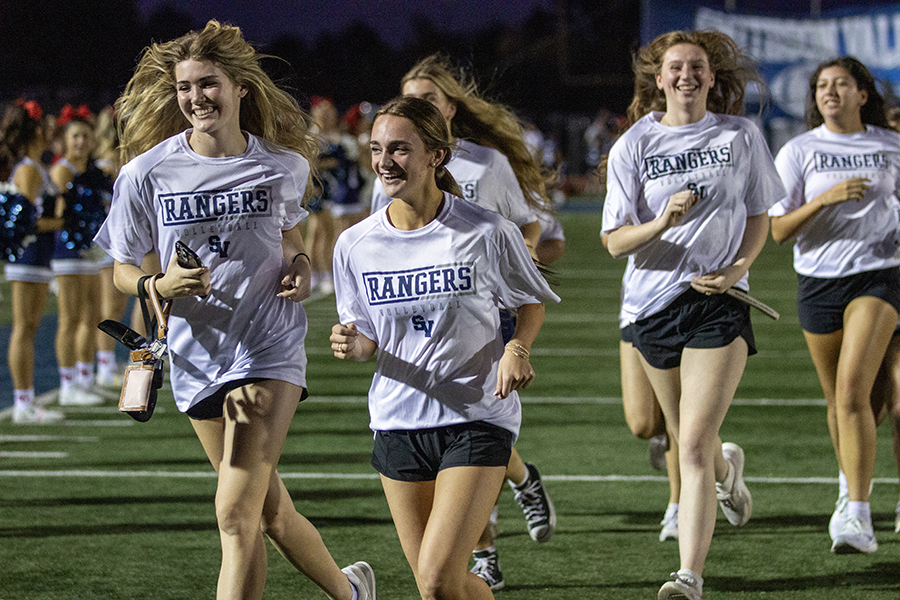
(842, 179)
(419, 283)
(24, 140)
(218, 158)
(496, 170)
(689, 185)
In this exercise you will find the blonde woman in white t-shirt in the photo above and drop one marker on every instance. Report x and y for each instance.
(688, 189)
(218, 157)
(842, 179)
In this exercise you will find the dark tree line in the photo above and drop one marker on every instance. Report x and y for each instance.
(575, 58)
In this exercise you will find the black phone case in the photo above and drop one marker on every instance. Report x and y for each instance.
(187, 258)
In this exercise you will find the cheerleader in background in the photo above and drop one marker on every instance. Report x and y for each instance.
(24, 142)
(496, 170)
(77, 275)
(842, 179)
(688, 188)
(112, 301)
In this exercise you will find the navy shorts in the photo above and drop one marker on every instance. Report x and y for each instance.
(211, 407)
(821, 302)
(419, 454)
(692, 320)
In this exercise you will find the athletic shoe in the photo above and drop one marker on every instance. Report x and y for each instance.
(684, 586)
(362, 576)
(839, 516)
(897, 519)
(79, 396)
(110, 380)
(536, 504)
(736, 502)
(34, 414)
(657, 448)
(669, 524)
(487, 566)
(855, 537)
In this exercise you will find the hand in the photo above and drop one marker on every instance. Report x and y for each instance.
(678, 206)
(178, 282)
(295, 285)
(513, 373)
(344, 340)
(717, 282)
(851, 189)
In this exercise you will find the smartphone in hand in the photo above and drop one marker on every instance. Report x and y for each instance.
(187, 258)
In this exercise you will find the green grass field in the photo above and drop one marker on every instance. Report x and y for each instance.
(102, 507)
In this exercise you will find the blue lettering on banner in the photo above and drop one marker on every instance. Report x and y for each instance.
(688, 161)
(183, 208)
(438, 281)
(850, 162)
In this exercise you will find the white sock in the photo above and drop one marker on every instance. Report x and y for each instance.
(671, 510)
(67, 378)
(23, 398)
(355, 595)
(842, 484)
(698, 581)
(85, 376)
(860, 510)
(106, 363)
(491, 549)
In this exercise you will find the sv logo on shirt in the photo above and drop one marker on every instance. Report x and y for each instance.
(218, 246)
(420, 324)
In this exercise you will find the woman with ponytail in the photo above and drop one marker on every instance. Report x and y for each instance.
(418, 284)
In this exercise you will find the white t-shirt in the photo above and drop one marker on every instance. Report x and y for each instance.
(485, 177)
(232, 212)
(725, 159)
(850, 237)
(428, 298)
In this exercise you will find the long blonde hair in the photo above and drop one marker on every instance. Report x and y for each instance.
(733, 70)
(148, 110)
(485, 123)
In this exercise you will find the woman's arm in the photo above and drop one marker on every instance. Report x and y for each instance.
(626, 239)
(514, 371)
(296, 281)
(721, 280)
(787, 226)
(176, 282)
(532, 234)
(28, 181)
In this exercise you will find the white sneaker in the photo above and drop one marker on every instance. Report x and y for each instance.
(110, 380)
(839, 516)
(669, 524)
(897, 519)
(657, 451)
(736, 503)
(684, 586)
(79, 396)
(35, 414)
(362, 576)
(855, 537)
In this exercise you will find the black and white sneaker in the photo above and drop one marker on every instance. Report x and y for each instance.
(537, 506)
(487, 566)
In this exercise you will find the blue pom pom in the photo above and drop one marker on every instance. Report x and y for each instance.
(18, 217)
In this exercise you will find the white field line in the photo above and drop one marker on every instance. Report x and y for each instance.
(84, 473)
(595, 400)
(48, 438)
(5, 454)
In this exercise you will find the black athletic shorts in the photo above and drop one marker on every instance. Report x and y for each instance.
(821, 302)
(211, 406)
(692, 320)
(628, 333)
(419, 454)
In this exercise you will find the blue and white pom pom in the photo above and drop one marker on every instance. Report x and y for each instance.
(86, 200)
(18, 220)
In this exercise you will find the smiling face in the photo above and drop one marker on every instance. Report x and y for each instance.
(401, 160)
(685, 78)
(426, 89)
(208, 99)
(838, 96)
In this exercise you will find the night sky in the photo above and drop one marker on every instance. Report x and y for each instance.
(263, 21)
